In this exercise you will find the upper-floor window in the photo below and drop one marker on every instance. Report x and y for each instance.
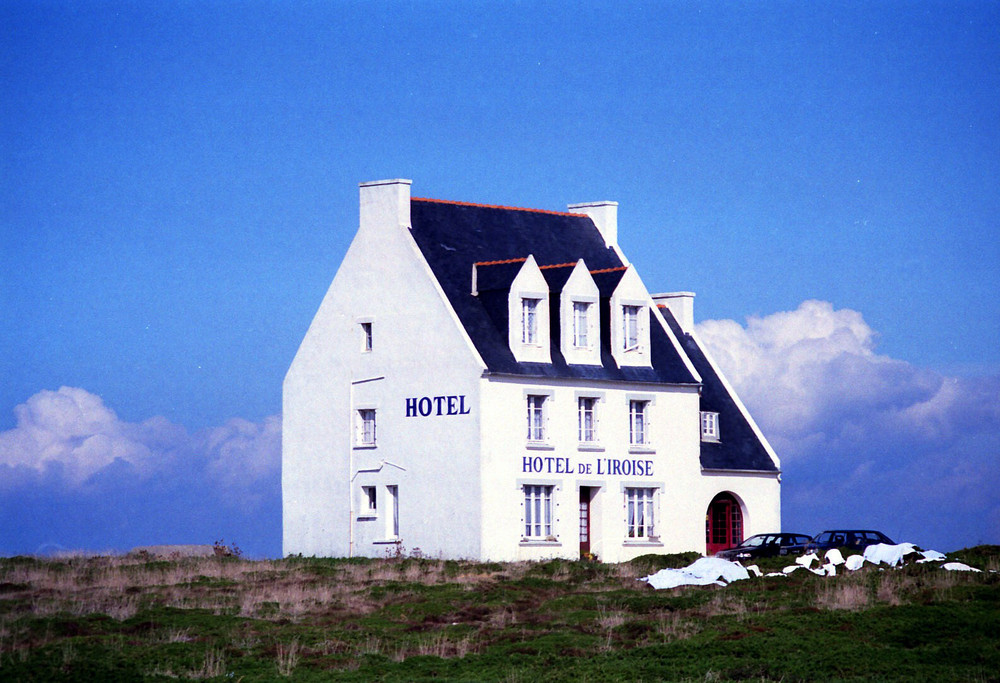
(630, 327)
(587, 419)
(709, 426)
(366, 427)
(366, 336)
(529, 320)
(536, 418)
(581, 324)
(638, 423)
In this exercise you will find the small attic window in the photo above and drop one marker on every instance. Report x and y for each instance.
(366, 337)
(709, 426)
(529, 320)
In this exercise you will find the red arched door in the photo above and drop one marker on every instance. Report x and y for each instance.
(723, 524)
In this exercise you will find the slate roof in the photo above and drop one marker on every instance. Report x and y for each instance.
(738, 447)
(452, 236)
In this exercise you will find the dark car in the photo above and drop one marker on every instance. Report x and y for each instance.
(766, 545)
(856, 539)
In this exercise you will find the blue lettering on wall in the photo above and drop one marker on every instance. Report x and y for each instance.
(425, 406)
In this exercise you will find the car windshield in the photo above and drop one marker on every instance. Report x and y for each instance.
(754, 541)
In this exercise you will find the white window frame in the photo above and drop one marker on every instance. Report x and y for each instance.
(369, 501)
(631, 332)
(585, 405)
(640, 513)
(581, 324)
(538, 512)
(365, 430)
(709, 426)
(537, 416)
(530, 308)
(638, 422)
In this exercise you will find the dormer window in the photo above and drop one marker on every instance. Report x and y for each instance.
(528, 317)
(579, 319)
(630, 327)
(581, 324)
(709, 426)
(529, 320)
(630, 323)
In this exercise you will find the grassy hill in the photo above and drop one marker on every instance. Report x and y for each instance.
(409, 619)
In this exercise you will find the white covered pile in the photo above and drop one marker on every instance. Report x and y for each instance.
(719, 572)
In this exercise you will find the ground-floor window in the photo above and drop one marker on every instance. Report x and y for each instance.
(639, 512)
(537, 511)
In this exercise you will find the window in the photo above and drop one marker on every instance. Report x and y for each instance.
(587, 419)
(639, 516)
(630, 327)
(536, 418)
(581, 321)
(529, 321)
(537, 511)
(366, 337)
(709, 426)
(369, 500)
(638, 425)
(366, 427)
(392, 518)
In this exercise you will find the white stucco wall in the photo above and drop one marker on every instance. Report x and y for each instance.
(419, 350)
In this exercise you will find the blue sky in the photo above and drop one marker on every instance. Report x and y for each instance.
(179, 184)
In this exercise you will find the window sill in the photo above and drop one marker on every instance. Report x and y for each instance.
(641, 448)
(540, 543)
(388, 541)
(365, 446)
(645, 543)
(367, 518)
(585, 446)
(539, 446)
(710, 439)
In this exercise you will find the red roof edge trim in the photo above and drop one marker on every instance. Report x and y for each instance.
(557, 265)
(500, 262)
(608, 270)
(495, 206)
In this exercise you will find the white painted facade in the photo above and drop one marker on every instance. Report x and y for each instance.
(398, 436)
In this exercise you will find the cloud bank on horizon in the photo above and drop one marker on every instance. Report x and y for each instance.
(864, 439)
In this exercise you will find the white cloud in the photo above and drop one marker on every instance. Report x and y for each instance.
(71, 433)
(862, 435)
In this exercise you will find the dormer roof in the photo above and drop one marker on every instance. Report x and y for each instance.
(455, 236)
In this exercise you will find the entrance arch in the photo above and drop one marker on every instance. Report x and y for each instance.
(723, 523)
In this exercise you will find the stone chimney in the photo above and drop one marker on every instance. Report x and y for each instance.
(605, 217)
(681, 304)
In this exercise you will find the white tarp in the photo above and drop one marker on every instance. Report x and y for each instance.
(891, 555)
(703, 572)
(834, 557)
(854, 562)
(959, 567)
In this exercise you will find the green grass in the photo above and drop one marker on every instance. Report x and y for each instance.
(416, 619)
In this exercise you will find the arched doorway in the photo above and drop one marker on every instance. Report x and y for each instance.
(723, 523)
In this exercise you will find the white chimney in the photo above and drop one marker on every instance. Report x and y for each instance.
(385, 204)
(605, 217)
(681, 304)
